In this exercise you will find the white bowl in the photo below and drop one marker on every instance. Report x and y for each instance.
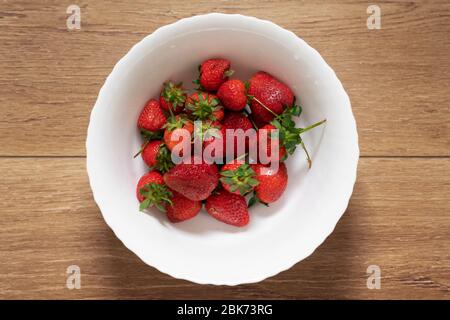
(204, 250)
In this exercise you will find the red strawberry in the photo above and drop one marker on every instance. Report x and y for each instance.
(235, 121)
(156, 155)
(205, 131)
(182, 208)
(271, 183)
(213, 73)
(150, 152)
(172, 97)
(177, 122)
(151, 177)
(192, 180)
(268, 92)
(152, 117)
(238, 178)
(265, 140)
(232, 95)
(151, 191)
(204, 106)
(214, 142)
(228, 207)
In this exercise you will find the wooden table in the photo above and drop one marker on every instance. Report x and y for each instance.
(398, 79)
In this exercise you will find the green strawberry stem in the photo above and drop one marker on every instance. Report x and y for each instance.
(265, 107)
(242, 156)
(228, 73)
(251, 120)
(313, 126)
(170, 111)
(141, 149)
(303, 130)
(308, 158)
(253, 123)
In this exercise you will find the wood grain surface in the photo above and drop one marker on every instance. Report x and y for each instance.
(397, 78)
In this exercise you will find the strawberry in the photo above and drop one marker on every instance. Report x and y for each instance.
(216, 138)
(150, 152)
(205, 132)
(151, 191)
(271, 183)
(156, 155)
(204, 106)
(232, 95)
(228, 207)
(172, 97)
(238, 178)
(264, 139)
(235, 121)
(182, 208)
(173, 123)
(152, 117)
(268, 96)
(213, 73)
(193, 180)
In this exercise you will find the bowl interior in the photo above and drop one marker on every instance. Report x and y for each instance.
(203, 249)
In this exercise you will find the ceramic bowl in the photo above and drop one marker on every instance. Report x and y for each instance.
(204, 250)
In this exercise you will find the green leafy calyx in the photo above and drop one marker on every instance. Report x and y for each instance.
(175, 122)
(204, 107)
(163, 159)
(206, 130)
(155, 194)
(242, 179)
(174, 94)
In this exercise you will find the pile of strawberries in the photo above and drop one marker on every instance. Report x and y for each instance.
(263, 105)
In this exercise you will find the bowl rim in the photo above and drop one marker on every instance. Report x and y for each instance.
(185, 276)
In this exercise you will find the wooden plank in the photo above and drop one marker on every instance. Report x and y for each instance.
(398, 219)
(397, 77)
